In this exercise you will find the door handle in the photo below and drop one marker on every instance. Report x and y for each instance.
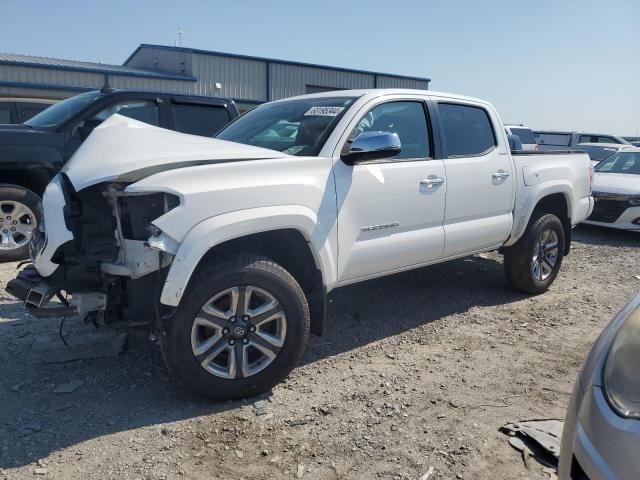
(500, 175)
(431, 181)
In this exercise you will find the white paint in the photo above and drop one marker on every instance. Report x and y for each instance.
(327, 201)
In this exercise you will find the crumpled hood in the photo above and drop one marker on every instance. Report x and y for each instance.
(126, 150)
(622, 183)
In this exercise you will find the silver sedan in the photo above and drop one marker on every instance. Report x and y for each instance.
(601, 437)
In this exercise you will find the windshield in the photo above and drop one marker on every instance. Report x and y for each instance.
(595, 153)
(294, 127)
(621, 162)
(62, 111)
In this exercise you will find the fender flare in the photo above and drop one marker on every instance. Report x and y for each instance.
(229, 226)
(535, 194)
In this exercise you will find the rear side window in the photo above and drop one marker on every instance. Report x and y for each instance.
(525, 134)
(205, 120)
(467, 130)
(29, 110)
(588, 139)
(557, 139)
(607, 140)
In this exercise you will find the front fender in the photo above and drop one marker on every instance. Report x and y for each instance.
(222, 228)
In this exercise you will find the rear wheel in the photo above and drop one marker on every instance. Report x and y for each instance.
(19, 213)
(533, 262)
(241, 329)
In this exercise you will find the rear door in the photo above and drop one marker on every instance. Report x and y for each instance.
(480, 180)
(390, 211)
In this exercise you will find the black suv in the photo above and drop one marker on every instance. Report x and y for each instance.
(33, 152)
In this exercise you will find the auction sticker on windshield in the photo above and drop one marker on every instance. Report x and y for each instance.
(323, 111)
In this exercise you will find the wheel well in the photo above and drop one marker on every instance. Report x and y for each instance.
(35, 181)
(556, 204)
(290, 249)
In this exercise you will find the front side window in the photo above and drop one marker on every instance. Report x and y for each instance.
(588, 139)
(142, 110)
(406, 119)
(29, 110)
(621, 162)
(294, 127)
(467, 130)
(203, 120)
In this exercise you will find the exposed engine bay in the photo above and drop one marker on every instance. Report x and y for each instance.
(108, 271)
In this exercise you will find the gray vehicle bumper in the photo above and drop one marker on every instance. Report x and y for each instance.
(596, 442)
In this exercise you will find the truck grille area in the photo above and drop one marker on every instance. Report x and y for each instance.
(608, 208)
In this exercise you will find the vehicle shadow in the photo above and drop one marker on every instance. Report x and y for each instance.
(134, 390)
(366, 312)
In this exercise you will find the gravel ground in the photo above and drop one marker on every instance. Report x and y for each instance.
(417, 370)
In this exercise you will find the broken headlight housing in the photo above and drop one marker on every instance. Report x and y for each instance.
(138, 211)
(621, 374)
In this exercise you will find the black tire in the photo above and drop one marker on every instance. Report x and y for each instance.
(236, 271)
(519, 258)
(19, 195)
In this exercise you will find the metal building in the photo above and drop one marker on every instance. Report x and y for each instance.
(246, 79)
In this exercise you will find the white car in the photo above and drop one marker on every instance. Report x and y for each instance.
(616, 190)
(525, 134)
(230, 245)
(599, 151)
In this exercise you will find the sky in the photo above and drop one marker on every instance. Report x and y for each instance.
(549, 64)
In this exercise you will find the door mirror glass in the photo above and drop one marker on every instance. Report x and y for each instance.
(372, 145)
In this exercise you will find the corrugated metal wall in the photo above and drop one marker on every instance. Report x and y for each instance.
(290, 80)
(68, 78)
(46, 76)
(396, 82)
(162, 60)
(238, 78)
(155, 84)
(246, 79)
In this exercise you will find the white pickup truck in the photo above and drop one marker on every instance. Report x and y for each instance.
(229, 246)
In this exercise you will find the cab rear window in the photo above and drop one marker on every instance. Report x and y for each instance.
(525, 134)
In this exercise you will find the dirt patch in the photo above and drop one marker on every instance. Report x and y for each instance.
(416, 370)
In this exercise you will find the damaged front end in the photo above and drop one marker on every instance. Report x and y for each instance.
(98, 255)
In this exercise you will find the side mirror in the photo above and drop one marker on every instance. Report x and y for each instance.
(87, 127)
(372, 146)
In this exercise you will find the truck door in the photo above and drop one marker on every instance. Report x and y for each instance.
(480, 179)
(390, 211)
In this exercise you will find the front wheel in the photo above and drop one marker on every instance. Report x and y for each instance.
(20, 210)
(240, 329)
(533, 262)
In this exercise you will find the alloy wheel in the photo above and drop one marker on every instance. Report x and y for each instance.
(545, 256)
(17, 222)
(238, 332)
